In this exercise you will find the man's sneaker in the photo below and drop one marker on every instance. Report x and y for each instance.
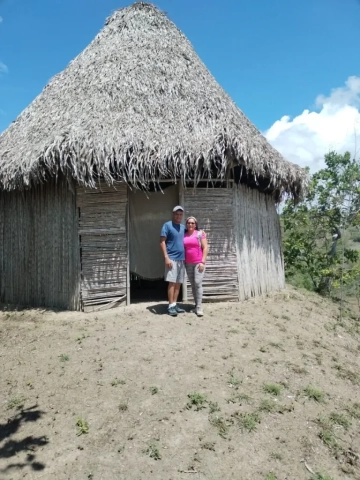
(199, 312)
(172, 311)
(179, 310)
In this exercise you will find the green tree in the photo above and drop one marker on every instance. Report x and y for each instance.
(314, 227)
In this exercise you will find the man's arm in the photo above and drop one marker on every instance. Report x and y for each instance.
(168, 262)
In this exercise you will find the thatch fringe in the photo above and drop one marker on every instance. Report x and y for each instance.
(138, 105)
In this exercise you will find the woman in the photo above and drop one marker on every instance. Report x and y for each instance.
(196, 250)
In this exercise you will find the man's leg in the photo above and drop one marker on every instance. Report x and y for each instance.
(177, 287)
(180, 276)
(171, 292)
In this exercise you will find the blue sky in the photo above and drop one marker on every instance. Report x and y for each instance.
(273, 57)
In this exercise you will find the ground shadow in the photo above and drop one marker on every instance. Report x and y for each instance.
(9, 447)
(161, 308)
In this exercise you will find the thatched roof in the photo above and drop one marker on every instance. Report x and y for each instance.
(137, 104)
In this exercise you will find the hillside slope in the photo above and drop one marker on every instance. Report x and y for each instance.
(266, 389)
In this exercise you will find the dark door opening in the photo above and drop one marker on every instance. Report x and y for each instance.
(149, 290)
(147, 214)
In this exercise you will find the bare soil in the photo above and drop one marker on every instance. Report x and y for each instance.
(265, 389)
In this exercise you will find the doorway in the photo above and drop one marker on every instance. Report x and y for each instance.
(147, 214)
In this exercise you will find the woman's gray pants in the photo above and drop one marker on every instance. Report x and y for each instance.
(195, 278)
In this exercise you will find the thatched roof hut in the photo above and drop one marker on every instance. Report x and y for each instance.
(135, 108)
(137, 104)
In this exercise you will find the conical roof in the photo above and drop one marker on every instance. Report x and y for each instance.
(136, 104)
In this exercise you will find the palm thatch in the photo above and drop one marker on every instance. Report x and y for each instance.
(138, 104)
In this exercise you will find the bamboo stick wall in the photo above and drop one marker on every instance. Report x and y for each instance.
(258, 240)
(104, 246)
(39, 247)
(213, 208)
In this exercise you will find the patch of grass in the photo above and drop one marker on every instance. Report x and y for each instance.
(248, 421)
(196, 400)
(272, 389)
(340, 419)
(354, 411)
(83, 426)
(64, 357)
(299, 370)
(321, 476)
(117, 381)
(314, 394)
(123, 406)
(154, 390)
(214, 407)
(318, 358)
(328, 437)
(233, 331)
(347, 374)
(257, 360)
(221, 424)
(271, 476)
(153, 451)
(233, 381)
(208, 446)
(285, 317)
(16, 402)
(270, 406)
(80, 339)
(240, 398)
(276, 345)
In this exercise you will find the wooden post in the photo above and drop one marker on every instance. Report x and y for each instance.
(182, 199)
(128, 250)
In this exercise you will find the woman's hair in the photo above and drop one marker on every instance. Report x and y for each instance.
(196, 223)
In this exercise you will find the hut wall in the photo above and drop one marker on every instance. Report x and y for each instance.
(39, 253)
(213, 207)
(258, 240)
(103, 246)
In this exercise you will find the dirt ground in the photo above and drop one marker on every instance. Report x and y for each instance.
(265, 389)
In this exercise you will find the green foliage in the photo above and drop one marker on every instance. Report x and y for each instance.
(314, 229)
(196, 400)
(83, 426)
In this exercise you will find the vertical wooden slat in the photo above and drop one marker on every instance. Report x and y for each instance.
(213, 208)
(104, 246)
(182, 203)
(258, 243)
(128, 300)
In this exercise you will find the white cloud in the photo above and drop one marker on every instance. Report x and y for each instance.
(334, 124)
(3, 68)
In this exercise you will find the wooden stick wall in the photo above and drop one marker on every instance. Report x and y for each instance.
(103, 246)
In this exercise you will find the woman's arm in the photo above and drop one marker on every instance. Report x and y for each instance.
(205, 249)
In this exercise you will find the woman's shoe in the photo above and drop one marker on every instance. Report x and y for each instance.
(199, 312)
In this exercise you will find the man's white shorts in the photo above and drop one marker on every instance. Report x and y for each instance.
(176, 274)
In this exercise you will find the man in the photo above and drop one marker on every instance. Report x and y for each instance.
(172, 247)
